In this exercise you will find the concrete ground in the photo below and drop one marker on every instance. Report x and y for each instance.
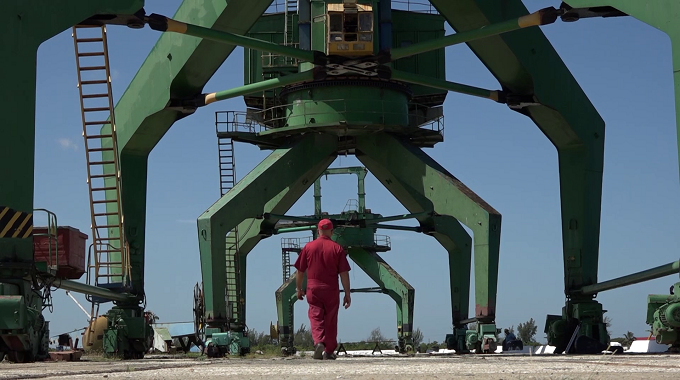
(482, 367)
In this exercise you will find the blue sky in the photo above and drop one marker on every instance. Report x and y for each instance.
(623, 65)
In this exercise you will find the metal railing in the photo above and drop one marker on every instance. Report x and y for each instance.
(351, 205)
(382, 240)
(52, 238)
(256, 121)
(238, 121)
(419, 6)
(272, 60)
(374, 109)
(277, 6)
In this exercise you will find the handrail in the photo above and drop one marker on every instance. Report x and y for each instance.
(51, 234)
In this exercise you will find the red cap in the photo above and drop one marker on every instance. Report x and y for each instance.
(325, 224)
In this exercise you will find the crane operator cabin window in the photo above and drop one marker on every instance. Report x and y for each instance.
(350, 29)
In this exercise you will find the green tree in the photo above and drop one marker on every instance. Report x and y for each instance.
(628, 339)
(376, 336)
(417, 337)
(303, 338)
(526, 331)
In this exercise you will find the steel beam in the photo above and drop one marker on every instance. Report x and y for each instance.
(422, 185)
(259, 86)
(360, 172)
(423, 80)
(294, 169)
(541, 17)
(397, 288)
(177, 68)
(286, 296)
(649, 274)
(458, 243)
(661, 14)
(526, 64)
(165, 24)
(81, 288)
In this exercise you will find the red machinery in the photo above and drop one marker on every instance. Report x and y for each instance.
(65, 249)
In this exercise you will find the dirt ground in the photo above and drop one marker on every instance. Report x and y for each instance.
(482, 367)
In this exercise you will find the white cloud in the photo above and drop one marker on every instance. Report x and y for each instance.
(67, 143)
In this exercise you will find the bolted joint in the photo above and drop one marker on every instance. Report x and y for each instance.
(157, 22)
(188, 105)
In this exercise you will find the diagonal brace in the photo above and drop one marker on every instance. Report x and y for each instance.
(166, 24)
(541, 17)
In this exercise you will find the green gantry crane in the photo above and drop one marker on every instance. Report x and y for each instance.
(342, 77)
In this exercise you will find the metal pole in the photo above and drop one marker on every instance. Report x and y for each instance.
(294, 229)
(445, 85)
(269, 216)
(399, 228)
(540, 17)
(398, 217)
(79, 287)
(166, 24)
(89, 317)
(259, 86)
(650, 274)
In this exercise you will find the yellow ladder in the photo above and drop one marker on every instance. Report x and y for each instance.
(111, 253)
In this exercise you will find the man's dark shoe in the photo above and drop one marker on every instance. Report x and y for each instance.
(319, 351)
(327, 356)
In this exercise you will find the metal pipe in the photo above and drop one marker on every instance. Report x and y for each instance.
(294, 229)
(166, 24)
(366, 290)
(399, 228)
(446, 85)
(259, 86)
(79, 287)
(650, 274)
(291, 218)
(540, 17)
(89, 317)
(398, 217)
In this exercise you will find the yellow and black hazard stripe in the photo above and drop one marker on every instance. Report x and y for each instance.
(15, 224)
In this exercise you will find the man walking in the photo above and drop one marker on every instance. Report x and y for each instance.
(323, 260)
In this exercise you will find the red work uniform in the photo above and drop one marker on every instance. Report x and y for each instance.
(323, 259)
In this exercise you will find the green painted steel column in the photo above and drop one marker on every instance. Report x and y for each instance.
(661, 14)
(398, 289)
(297, 166)
(24, 26)
(458, 243)
(178, 67)
(317, 197)
(525, 63)
(286, 296)
(421, 185)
